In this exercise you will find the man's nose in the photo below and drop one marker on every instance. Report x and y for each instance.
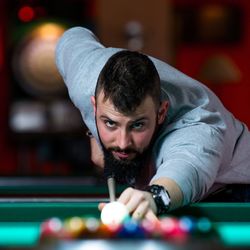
(123, 139)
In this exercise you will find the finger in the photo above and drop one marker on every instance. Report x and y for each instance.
(140, 211)
(126, 195)
(137, 200)
(151, 216)
(101, 205)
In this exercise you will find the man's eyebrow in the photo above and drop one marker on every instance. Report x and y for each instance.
(105, 117)
(139, 119)
(130, 122)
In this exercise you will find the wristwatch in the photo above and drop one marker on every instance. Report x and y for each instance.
(161, 198)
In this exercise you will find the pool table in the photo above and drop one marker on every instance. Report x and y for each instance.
(23, 210)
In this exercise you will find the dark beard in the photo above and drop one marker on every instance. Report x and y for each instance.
(124, 171)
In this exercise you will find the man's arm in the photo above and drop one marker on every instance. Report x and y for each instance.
(140, 203)
(190, 160)
(173, 189)
(96, 153)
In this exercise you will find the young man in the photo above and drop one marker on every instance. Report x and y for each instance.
(165, 134)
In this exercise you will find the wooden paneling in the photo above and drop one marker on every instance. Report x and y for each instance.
(154, 17)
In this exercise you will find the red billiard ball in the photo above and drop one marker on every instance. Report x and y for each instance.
(171, 230)
(151, 229)
(51, 228)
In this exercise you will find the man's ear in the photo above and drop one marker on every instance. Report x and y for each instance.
(93, 102)
(162, 112)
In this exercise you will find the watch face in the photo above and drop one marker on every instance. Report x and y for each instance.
(165, 197)
(161, 198)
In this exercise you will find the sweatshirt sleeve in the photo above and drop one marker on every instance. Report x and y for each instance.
(75, 42)
(80, 58)
(191, 156)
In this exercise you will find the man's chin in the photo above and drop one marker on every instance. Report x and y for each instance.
(124, 170)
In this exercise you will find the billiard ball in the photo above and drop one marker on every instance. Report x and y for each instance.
(51, 228)
(74, 227)
(151, 229)
(92, 226)
(172, 230)
(187, 224)
(131, 229)
(203, 226)
(114, 214)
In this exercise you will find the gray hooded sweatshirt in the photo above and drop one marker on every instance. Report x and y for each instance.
(201, 145)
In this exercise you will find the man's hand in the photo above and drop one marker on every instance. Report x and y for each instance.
(139, 203)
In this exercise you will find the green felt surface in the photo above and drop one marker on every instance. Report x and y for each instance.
(20, 221)
(234, 233)
(19, 234)
(39, 211)
(36, 210)
(23, 234)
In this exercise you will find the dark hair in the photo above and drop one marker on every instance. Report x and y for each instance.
(127, 79)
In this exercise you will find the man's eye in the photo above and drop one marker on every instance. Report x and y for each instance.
(110, 124)
(138, 125)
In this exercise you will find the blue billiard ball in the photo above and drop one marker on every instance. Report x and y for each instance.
(131, 229)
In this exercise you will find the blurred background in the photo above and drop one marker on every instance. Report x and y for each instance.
(42, 134)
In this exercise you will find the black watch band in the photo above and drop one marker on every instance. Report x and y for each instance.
(161, 198)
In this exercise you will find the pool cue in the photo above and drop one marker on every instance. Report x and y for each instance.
(111, 188)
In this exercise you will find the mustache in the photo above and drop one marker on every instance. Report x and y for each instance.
(126, 150)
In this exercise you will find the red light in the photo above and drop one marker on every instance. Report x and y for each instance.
(1, 50)
(26, 14)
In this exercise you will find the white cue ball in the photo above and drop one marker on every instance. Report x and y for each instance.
(114, 213)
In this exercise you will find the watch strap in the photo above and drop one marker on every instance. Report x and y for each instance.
(161, 198)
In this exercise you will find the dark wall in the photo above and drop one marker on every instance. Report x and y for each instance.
(190, 53)
(191, 56)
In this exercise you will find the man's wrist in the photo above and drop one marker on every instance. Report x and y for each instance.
(161, 198)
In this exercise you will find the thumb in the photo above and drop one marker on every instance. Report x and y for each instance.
(101, 206)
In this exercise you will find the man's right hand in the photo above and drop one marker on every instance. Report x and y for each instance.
(140, 204)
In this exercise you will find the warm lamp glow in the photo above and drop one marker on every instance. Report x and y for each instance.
(49, 31)
(34, 60)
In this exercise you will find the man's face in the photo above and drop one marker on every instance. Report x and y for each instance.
(126, 137)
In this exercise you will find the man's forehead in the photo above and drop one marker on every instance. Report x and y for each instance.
(100, 97)
(106, 105)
